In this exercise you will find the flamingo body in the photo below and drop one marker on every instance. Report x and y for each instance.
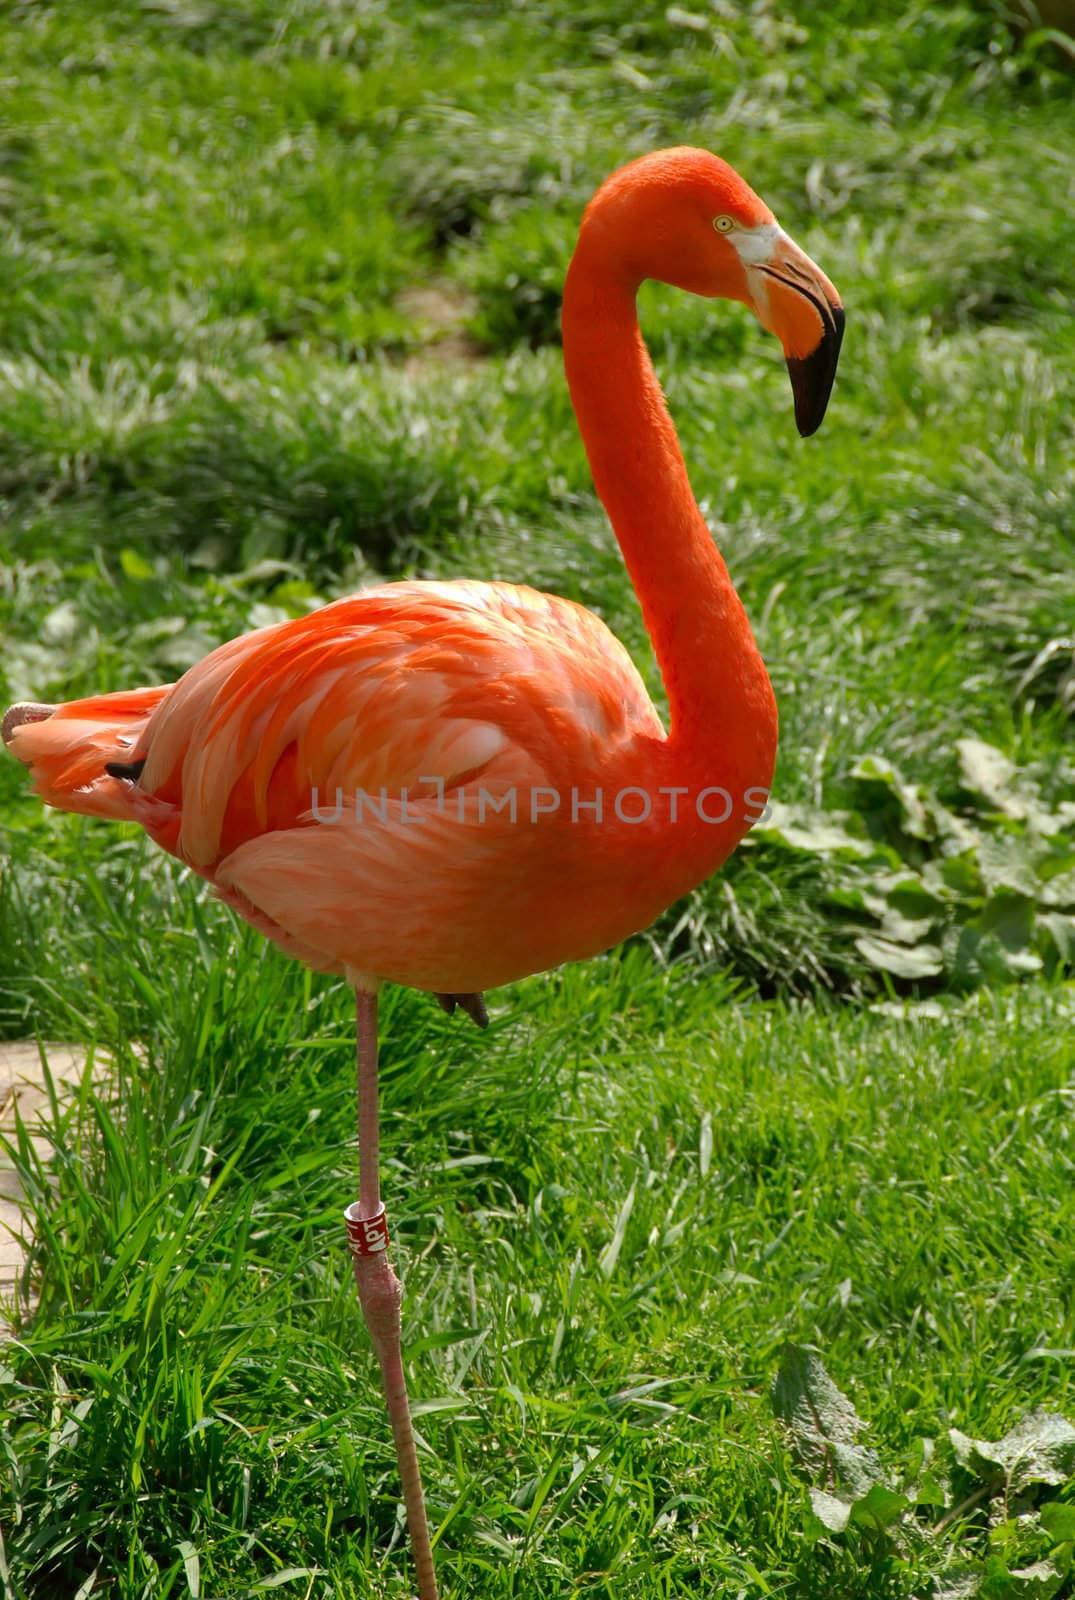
(404, 784)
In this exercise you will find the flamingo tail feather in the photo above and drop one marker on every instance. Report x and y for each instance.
(68, 749)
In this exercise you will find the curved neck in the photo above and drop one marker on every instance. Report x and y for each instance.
(718, 691)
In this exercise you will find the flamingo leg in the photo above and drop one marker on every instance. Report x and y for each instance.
(379, 1292)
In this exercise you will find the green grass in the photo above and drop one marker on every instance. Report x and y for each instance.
(216, 409)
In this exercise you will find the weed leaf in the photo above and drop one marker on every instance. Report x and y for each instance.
(986, 771)
(1058, 1520)
(904, 961)
(880, 1507)
(824, 1424)
(962, 1584)
(1038, 1582)
(1039, 1449)
(833, 1513)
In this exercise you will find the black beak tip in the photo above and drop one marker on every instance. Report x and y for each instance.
(812, 376)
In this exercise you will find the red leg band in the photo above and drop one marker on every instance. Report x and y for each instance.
(367, 1236)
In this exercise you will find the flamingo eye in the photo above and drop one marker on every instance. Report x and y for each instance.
(724, 224)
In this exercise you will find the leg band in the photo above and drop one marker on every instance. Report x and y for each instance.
(367, 1236)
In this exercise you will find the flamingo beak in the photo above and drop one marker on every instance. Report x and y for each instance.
(794, 300)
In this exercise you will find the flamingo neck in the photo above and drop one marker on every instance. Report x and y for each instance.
(720, 701)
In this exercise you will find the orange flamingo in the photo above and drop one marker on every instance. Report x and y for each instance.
(453, 785)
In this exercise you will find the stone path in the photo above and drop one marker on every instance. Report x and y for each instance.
(22, 1090)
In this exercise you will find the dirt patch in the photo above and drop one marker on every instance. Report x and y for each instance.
(24, 1098)
(441, 310)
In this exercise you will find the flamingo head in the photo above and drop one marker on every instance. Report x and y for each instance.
(686, 218)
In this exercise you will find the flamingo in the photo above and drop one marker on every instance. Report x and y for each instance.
(454, 785)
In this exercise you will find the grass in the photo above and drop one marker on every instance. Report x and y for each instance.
(755, 1126)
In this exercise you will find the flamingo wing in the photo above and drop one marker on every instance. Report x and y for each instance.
(380, 693)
